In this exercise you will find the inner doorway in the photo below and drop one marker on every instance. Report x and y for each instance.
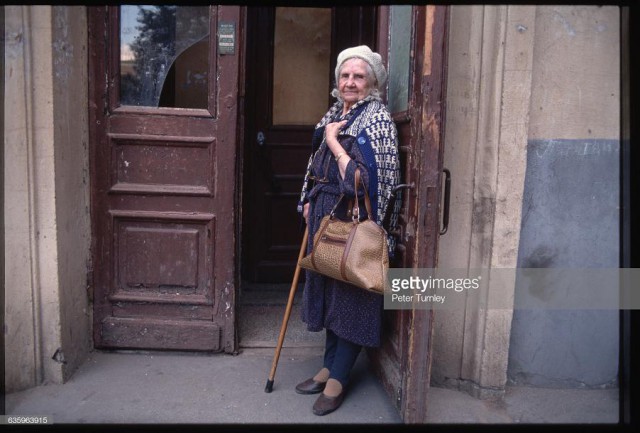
(290, 58)
(412, 40)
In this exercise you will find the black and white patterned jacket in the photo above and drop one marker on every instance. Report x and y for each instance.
(377, 137)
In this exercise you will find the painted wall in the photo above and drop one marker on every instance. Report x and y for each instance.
(25, 235)
(571, 201)
(71, 140)
(46, 194)
(488, 91)
(531, 143)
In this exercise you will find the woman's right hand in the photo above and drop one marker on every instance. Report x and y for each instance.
(305, 213)
(331, 134)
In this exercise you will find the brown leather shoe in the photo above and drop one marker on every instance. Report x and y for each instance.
(310, 386)
(325, 405)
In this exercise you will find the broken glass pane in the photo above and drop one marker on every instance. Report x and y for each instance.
(164, 56)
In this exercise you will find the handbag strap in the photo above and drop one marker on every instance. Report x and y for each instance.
(367, 202)
(356, 207)
(335, 206)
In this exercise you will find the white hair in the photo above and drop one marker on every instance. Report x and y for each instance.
(373, 84)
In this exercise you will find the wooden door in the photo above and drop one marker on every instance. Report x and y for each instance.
(163, 124)
(291, 55)
(413, 37)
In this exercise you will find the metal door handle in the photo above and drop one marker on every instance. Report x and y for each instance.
(261, 139)
(392, 202)
(447, 201)
(395, 190)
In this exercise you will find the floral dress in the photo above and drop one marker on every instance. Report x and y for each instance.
(350, 312)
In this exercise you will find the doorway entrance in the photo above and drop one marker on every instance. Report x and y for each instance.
(290, 58)
(284, 100)
(289, 74)
(169, 209)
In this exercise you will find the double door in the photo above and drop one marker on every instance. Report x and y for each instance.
(197, 158)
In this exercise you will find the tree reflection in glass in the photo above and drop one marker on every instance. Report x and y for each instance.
(164, 55)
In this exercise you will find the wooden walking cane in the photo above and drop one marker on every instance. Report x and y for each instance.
(287, 312)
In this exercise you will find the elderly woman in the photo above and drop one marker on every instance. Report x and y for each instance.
(356, 132)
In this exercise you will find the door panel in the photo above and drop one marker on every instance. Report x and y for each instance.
(287, 92)
(162, 202)
(403, 362)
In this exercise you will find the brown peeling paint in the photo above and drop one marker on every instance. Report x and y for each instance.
(428, 43)
(156, 194)
(433, 126)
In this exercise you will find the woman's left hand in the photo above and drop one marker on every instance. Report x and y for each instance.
(305, 213)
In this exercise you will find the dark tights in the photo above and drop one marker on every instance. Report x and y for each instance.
(339, 357)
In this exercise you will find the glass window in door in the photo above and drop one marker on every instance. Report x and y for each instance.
(301, 57)
(399, 58)
(164, 56)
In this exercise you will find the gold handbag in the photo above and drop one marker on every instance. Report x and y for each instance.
(351, 251)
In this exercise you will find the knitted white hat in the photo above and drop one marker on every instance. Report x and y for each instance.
(364, 52)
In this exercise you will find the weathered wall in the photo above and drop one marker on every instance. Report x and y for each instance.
(489, 76)
(46, 247)
(571, 203)
(531, 89)
(72, 180)
(28, 165)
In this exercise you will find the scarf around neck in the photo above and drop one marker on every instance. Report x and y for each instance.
(370, 122)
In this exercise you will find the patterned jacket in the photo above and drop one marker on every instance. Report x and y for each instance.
(375, 133)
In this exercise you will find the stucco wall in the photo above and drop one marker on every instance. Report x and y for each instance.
(571, 202)
(71, 144)
(22, 327)
(488, 90)
(46, 195)
(531, 142)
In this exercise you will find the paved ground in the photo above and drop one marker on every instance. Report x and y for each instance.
(185, 388)
(526, 405)
(182, 388)
(211, 389)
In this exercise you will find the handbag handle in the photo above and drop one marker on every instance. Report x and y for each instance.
(367, 202)
(356, 208)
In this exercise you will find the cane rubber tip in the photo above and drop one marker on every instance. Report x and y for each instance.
(269, 386)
